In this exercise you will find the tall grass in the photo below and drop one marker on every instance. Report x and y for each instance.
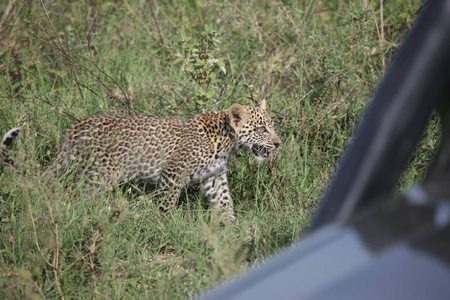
(316, 62)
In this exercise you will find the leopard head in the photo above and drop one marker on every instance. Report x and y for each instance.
(254, 129)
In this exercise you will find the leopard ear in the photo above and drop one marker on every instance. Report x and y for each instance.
(262, 104)
(237, 114)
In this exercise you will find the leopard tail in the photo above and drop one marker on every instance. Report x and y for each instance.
(6, 144)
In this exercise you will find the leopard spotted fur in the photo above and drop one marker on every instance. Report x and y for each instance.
(111, 149)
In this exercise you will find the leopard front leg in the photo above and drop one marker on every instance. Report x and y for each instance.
(216, 189)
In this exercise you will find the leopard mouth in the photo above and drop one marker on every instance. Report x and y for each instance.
(260, 151)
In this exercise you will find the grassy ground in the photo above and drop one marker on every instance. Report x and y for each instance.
(316, 62)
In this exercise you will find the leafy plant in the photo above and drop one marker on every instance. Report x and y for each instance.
(202, 64)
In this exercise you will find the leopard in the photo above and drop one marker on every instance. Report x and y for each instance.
(110, 149)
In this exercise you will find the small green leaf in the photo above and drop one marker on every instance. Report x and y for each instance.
(183, 35)
(210, 94)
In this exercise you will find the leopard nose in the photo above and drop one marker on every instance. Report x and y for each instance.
(277, 145)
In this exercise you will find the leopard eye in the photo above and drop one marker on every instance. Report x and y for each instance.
(263, 129)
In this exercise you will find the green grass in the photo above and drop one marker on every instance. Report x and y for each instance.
(316, 62)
